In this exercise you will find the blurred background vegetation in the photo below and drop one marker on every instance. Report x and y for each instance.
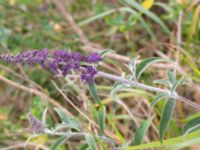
(164, 28)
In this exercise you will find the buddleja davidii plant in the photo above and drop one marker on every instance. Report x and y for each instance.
(172, 83)
(62, 62)
(68, 129)
(86, 66)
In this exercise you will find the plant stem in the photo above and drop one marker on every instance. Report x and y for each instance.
(149, 88)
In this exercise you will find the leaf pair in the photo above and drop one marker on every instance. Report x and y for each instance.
(167, 113)
(138, 69)
(66, 121)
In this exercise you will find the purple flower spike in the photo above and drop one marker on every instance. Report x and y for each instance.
(88, 73)
(93, 58)
(59, 60)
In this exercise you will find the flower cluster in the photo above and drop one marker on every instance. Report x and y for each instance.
(36, 125)
(59, 60)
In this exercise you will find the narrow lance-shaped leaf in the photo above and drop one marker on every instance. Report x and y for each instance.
(177, 83)
(162, 81)
(105, 52)
(59, 142)
(93, 91)
(84, 147)
(132, 64)
(191, 125)
(64, 118)
(166, 117)
(67, 122)
(158, 98)
(90, 141)
(147, 27)
(94, 18)
(169, 10)
(140, 132)
(101, 118)
(73, 124)
(171, 75)
(44, 114)
(144, 64)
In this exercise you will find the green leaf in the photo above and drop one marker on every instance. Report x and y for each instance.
(101, 118)
(177, 83)
(191, 125)
(140, 132)
(64, 118)
(121, 9)
(74, 124)
(24, 1)
(59, 142)
(147, 27)
(158, 98)
(144, 64)
(142, 21)
(184, 142)
(171, 75)
(90, 141)
(93, 91)
(93, 18)
(84, 147)
(116, 88)
(150, 14)
(170, 11)
(61, 126)
(166, 117)
(105, 52)
(162, 81)
(44, 114)
(66, 121)
(71, 125)
(132, 64)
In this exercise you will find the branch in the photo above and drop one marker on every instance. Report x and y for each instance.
(76, 135)
(149, 88)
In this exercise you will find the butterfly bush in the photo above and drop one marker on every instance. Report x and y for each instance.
(59, 60)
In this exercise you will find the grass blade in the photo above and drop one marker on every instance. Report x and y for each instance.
(189, 139)
(96, 17)
(151, 15)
